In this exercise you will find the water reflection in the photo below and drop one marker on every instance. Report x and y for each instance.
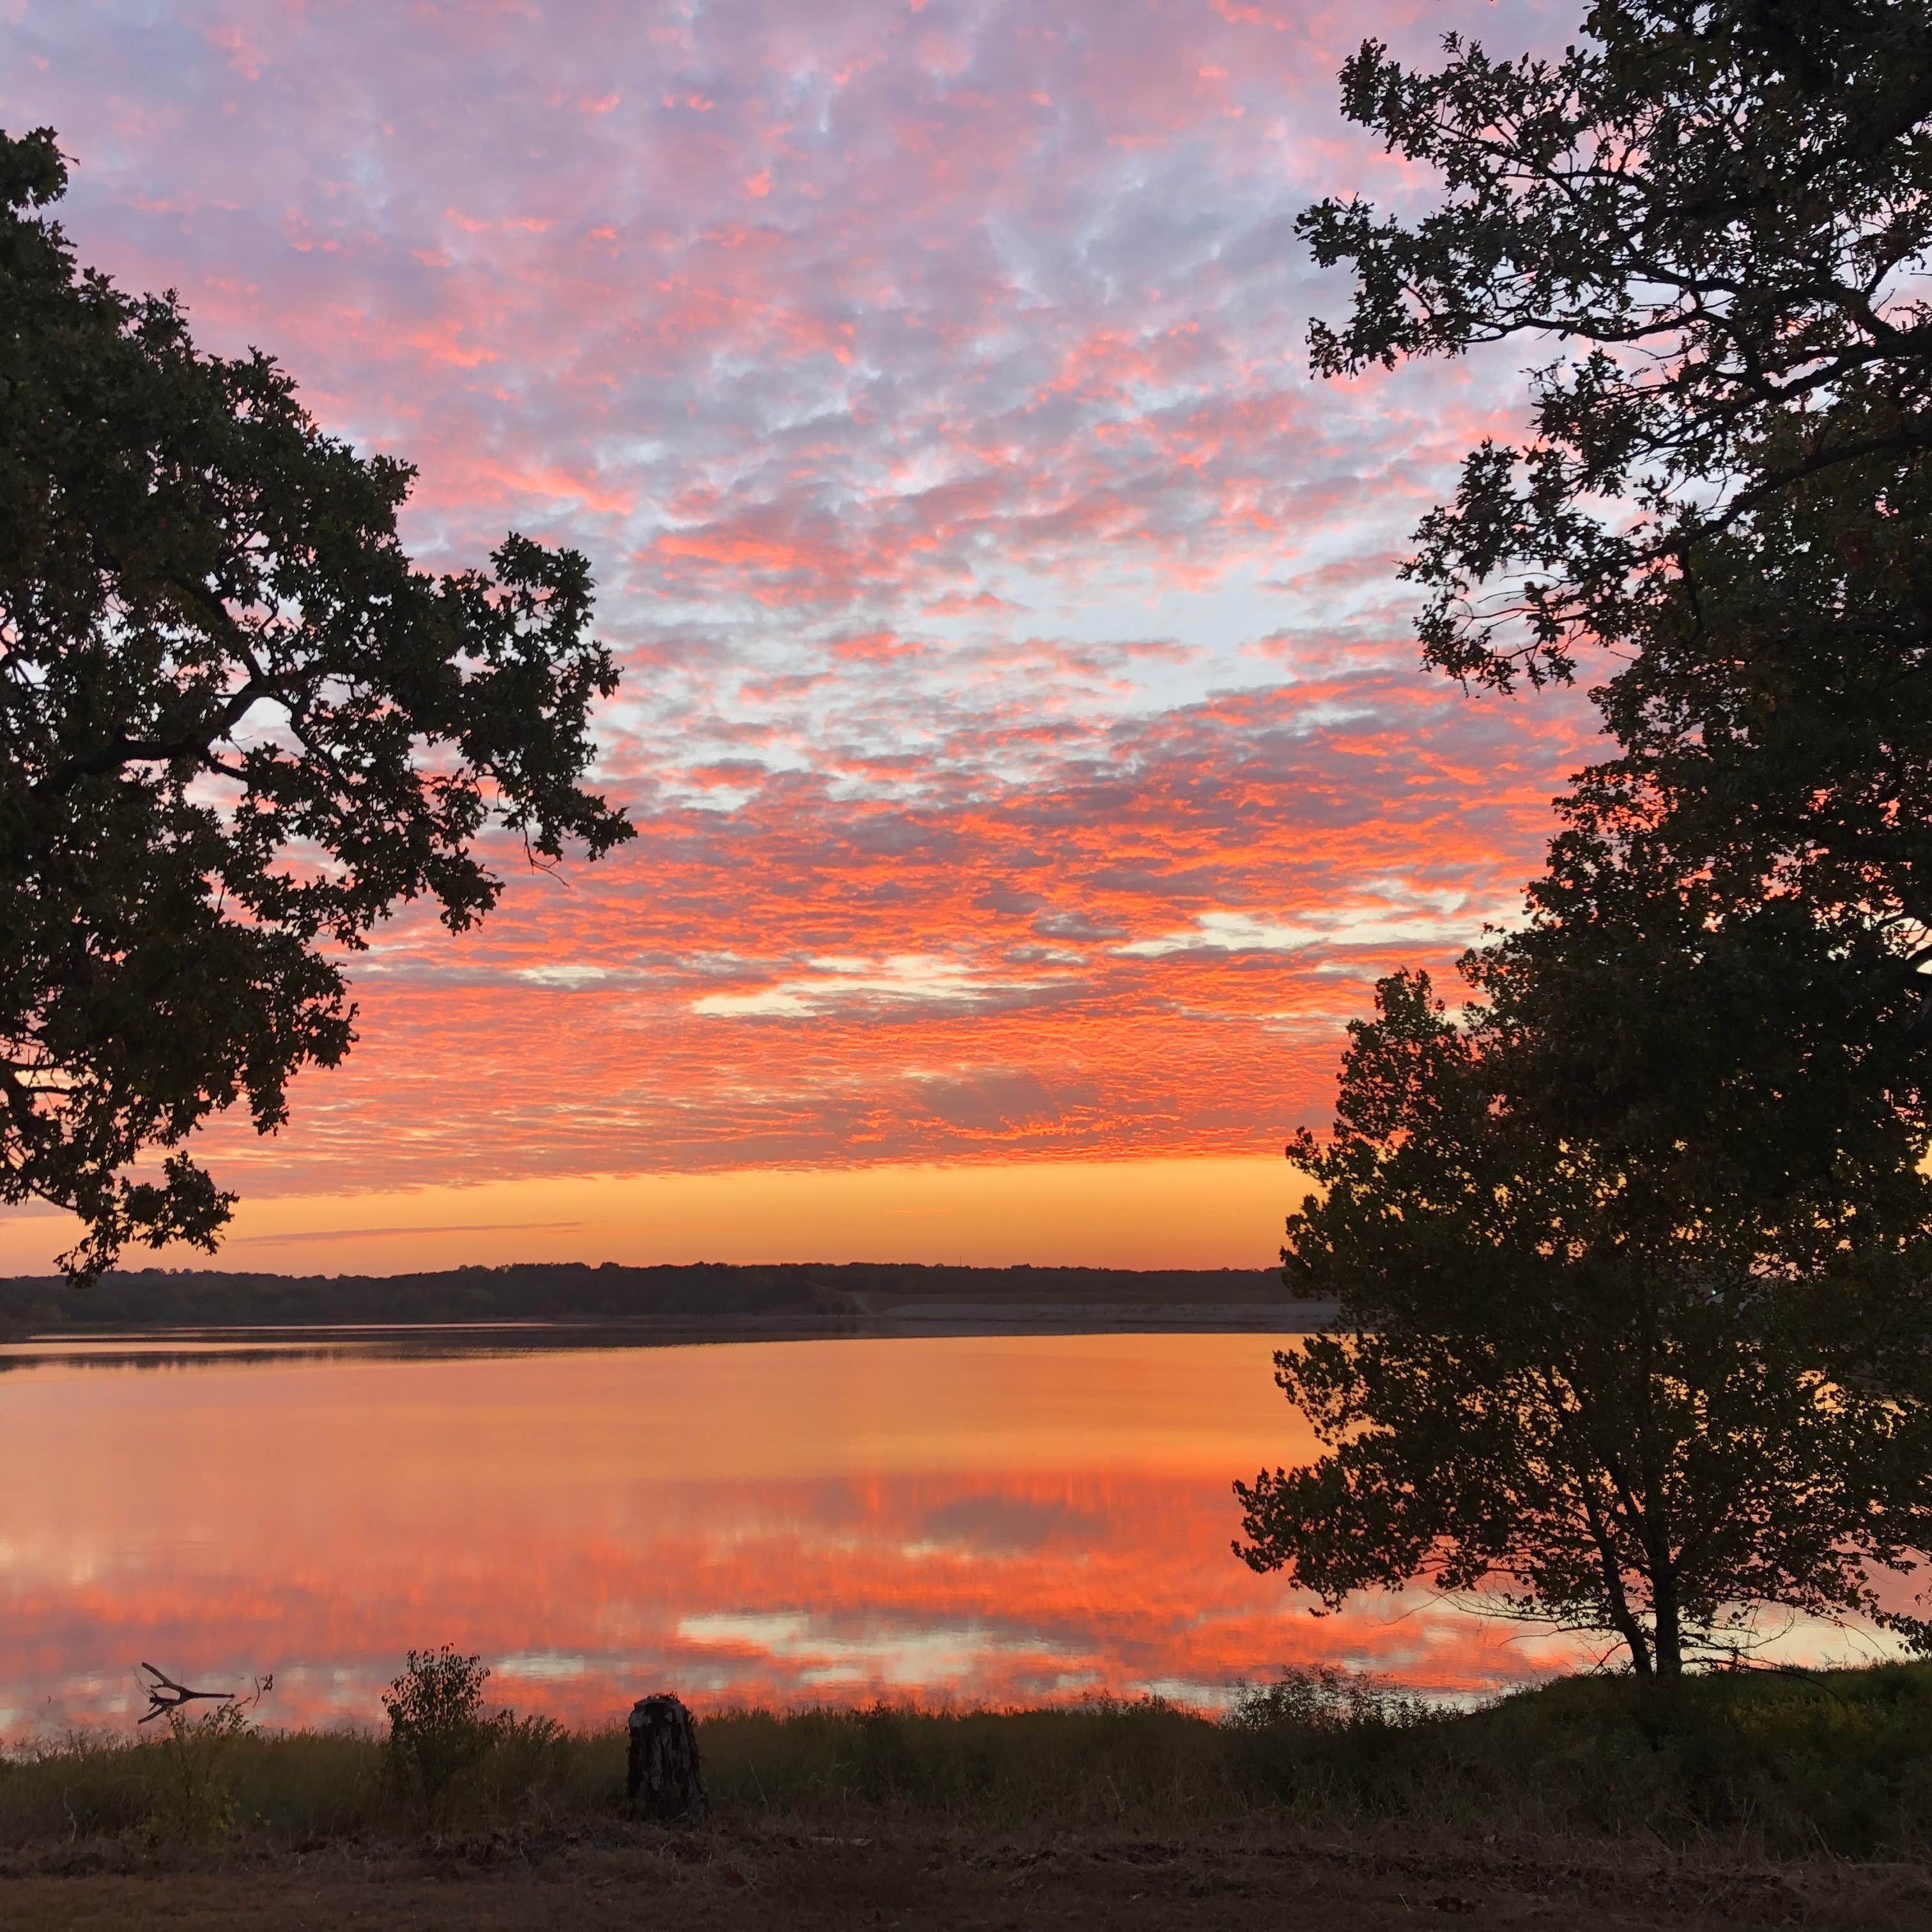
(206, 1347)
(989, 1519)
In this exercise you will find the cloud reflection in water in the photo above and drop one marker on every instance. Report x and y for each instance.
(994, 1519)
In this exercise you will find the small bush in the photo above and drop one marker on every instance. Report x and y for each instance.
(1325, 1699)
(441, 1741)
(437, 1729)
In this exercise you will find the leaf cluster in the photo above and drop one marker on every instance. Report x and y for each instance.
(1719, 208)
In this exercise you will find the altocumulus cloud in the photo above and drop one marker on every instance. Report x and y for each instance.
(1019, 714)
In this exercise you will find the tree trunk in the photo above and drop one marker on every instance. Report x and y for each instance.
(1666, 1628)
(1623, 1619)
(664, 1780)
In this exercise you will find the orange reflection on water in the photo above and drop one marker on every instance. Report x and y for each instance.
(989, 1520)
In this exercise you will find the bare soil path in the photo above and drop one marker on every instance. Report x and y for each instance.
(921, 1879)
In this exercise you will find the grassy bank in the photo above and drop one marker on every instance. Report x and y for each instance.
(1774, 1765)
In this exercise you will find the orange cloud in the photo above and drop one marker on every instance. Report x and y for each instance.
(1094, 872)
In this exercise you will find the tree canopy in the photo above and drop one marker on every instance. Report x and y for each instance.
(1722, 204)
(1712, 217)
(1633, 1329)
(239, 728)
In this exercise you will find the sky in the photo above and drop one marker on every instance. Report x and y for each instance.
(1021, 716)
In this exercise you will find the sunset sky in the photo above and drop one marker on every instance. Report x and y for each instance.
(1032, 766)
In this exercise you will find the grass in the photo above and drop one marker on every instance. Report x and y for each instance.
(1838, 1763)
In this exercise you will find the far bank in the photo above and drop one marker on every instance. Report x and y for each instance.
(686, 1301)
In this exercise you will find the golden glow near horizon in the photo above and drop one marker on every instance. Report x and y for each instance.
(1201, 1213)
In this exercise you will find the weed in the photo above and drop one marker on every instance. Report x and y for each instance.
(188, 1777)
(1778, 1764)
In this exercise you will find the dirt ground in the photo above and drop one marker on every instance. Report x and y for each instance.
(925, 1880)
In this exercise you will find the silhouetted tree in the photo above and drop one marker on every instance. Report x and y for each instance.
(1723, 202)
(1634, 1325)
(237, 728)
(1709, 215)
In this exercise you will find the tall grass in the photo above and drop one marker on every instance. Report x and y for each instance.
(1841, 1763)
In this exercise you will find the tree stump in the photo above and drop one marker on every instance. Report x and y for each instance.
(664, 1780)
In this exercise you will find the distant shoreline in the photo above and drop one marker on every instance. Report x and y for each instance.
(108, 1345)
(694, 1302)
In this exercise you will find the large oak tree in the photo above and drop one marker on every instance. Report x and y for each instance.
(1633, 1258)
(1709, 222)
(238, 727)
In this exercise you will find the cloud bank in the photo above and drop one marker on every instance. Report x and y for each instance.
(1019, 715)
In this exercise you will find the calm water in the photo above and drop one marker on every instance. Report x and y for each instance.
(994, 1518)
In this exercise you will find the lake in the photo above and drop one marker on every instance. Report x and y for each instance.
(993, 1519)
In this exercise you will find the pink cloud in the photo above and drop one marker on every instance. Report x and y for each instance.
(815, 325)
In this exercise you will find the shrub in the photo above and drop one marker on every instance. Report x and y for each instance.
(437, 1729)
(1325, 1699)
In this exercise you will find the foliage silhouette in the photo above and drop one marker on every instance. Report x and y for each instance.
(1714, 216)
(1620, 1347)
(1632, 1262)
(1721, 203)
(561, 1291)
(239, 728)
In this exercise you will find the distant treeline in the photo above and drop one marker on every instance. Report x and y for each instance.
(575, 1290)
